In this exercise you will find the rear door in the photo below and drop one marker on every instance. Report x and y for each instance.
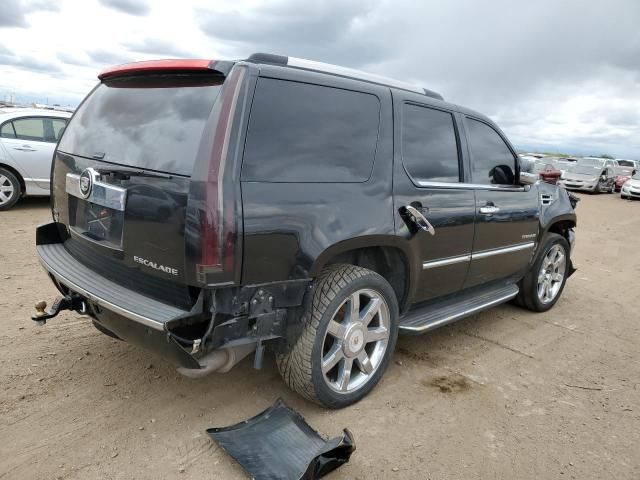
(31, 146)
(507, 215)
(427, 177)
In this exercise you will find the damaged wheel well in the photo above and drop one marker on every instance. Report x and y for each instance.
(562, 227)
(388, 262)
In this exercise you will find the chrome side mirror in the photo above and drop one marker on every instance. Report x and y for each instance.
(527, 178)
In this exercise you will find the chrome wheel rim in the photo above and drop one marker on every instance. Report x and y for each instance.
(6, 189)
(551, 274)
(356, 341)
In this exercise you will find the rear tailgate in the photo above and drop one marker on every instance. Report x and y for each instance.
(122, 179)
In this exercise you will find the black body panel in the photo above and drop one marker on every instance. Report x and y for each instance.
(289, 226)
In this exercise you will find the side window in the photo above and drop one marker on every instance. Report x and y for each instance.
(29, 129)
(52, 129)
(300, 132)
(58, 125)
(491, 160)
(429, 146)
(7, 130)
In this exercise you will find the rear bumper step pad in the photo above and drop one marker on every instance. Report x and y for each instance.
(278, 443)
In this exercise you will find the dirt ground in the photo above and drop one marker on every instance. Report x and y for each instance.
(504, 394)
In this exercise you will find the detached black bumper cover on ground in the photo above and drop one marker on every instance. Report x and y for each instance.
(279, 444)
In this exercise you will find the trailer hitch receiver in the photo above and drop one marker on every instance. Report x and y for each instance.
(66, 302)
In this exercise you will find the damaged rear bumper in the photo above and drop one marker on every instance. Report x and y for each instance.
(245, 318)
(132, 317)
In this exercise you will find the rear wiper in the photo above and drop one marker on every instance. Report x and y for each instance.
(126, 172)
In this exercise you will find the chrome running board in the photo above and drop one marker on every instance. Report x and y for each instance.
(422, 319)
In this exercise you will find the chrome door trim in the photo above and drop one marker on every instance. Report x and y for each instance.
(102, 193)
(472, 186)
(446, 261)
(500, 251)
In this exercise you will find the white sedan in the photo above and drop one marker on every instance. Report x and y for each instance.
(28, 138)
(631, 188)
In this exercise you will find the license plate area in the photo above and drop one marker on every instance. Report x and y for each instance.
(96, 223)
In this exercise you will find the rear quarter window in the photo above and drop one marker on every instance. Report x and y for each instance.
(300, 132)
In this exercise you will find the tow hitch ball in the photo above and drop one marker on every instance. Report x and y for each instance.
(66, 302)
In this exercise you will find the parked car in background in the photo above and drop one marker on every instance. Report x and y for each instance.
(631, 188)
(623, 162)
(622, 175)
(562, 164)
(590, 174)
(28, 138)
(549, 173)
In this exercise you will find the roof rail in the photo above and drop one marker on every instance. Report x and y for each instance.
(340, 71)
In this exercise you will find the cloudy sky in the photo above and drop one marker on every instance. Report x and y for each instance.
(560, 75)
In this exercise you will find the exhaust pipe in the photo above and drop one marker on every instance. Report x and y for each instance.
(220, 361)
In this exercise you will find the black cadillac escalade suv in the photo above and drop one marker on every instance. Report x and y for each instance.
(207, 210)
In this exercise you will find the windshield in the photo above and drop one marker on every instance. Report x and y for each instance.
(153, 122)
(636, 176)
(626, 163)
(590, 162)
(587, 166)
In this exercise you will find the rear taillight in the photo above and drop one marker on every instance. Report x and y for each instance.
(217, 216)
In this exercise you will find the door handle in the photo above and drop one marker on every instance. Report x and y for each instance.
(25, 148)
(419, 219)
(489, 209)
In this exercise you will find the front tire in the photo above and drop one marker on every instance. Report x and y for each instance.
(542, 286)
(350, 328)
(10, 190)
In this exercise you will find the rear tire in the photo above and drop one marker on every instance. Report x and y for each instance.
(10, 190)
(542, 286)
(350, 327)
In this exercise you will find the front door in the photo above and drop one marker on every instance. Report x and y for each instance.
(506, 221)
(427, 174)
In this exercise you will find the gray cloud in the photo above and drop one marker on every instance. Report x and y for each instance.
(132, 7)
(158, 47)
(71, 59)
(331, 31)
(27, 63)
(13, 12)
(106, 58)
(515, 61)
(562, 73)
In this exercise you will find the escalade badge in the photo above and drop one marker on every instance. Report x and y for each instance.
(86, 182)
(155, 266)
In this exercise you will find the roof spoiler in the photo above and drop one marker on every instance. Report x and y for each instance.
(167, 66)
(337, 70)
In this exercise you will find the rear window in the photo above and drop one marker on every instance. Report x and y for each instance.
(153, 122)
(300, 132)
